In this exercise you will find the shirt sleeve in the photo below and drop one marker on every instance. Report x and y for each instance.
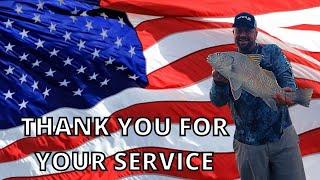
(219, 93)
(282, 70)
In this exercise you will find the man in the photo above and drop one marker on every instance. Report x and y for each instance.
(265, 141)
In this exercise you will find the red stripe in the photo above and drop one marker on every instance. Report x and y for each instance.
(305, 83)
(150, 32)
(185, 71)
(224, 164)
(308, 27)
(310, 142)
(176, 75)
(315, 55)
(174, 110)
(205, 7)
(300, 60)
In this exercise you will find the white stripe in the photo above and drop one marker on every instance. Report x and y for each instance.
(136, 19)
(302, 39)
(264, 21)
(305, 119)
(126, 98)
(311, 166)
(275, 24)
(275, 19)
(169, 49)
(305, 72)
(266, 39)
(115, 143)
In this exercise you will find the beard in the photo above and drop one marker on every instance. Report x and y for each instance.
(245, 45)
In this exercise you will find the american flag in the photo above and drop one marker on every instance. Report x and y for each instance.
(147, 59)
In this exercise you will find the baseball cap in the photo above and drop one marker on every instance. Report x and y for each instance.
(244, 19)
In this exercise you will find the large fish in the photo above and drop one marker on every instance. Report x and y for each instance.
(244, 73)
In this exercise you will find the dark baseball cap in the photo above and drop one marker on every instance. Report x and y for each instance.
(245, 19)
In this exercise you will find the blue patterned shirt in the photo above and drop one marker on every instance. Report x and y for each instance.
(256, 123)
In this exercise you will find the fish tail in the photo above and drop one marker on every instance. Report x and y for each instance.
(303, 96)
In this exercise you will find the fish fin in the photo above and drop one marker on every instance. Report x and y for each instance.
(271, 103)
(270, 74)
(235, 83)
(303, 96)
(236, 93)
(255, 58)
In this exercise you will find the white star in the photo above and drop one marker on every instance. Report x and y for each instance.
(61, 2)
(77, 92)
(110, 61)
(122, 68)
(36, 63)
(64, 83)
(95, 53)
(40, 5)
(84, 13)
(121, 21)
(104, 15)
(75, 11)
(8, 95)
(23, 104)
(18, 9)
(118, 42)
(8, 23)
(36, 18)
(50, 72)
(35, 85)
(81, 44)
(134, 77)
(131, 51)
(89, 25)
(54, 52)
(93, 76)
(46, 92)
(68, 61)
(104, 33)
(23, 78)
(74, 18)
(39, 43)
(104, 83)
(24, 57)
(24, 33)
(9, 70)
(9, 47)
(52, 27)
(66, 36)
(81, 69)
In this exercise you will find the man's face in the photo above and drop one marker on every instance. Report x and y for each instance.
(245, 38)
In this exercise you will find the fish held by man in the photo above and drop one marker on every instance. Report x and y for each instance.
(244, 73)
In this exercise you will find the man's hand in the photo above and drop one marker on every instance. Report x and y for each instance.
(282, 99)
(217, 77)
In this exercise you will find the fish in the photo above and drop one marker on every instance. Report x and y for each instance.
(245, 74)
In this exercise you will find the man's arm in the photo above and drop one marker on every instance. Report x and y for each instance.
(284, 75)
(219, 93)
